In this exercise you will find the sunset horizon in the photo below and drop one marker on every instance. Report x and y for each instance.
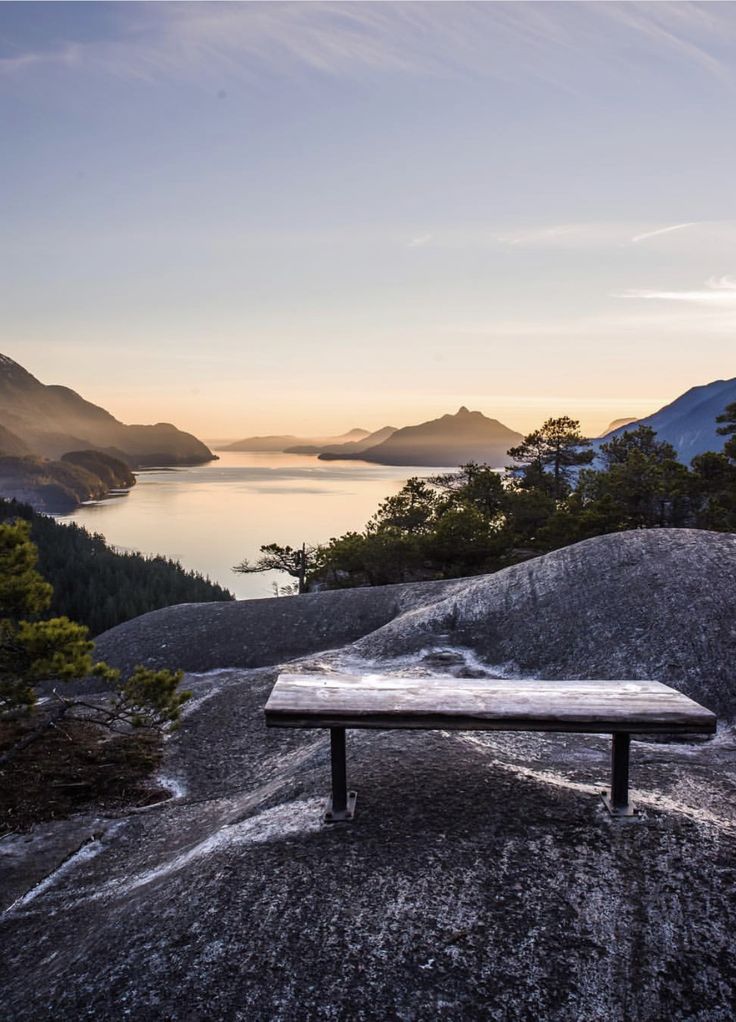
(368, 510)
(265, 217)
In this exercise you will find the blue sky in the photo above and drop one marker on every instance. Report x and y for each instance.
(264, 217)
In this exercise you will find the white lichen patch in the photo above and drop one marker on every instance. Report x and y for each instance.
(274, 824)
(429, 662)
(173, 784)
(83, 854)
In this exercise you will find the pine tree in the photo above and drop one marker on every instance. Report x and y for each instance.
(35, 649)
(557, 445)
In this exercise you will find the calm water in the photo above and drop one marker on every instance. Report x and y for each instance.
(212, 516)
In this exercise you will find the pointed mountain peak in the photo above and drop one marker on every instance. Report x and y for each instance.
(10, 366)
(462, 410)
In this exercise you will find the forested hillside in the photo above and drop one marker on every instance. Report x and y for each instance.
(100, 588)
(475, 521)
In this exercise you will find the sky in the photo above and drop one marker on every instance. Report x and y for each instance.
(305, 217)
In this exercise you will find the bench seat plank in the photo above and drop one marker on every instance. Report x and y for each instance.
(489, 704)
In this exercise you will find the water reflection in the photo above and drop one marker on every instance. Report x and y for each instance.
(210, 517)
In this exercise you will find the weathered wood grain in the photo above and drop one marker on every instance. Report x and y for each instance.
(380, 701)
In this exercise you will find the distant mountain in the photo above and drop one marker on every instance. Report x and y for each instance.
(338, 451)
(261, 443)
(447, 441)
(315, 446)
(689, 422)
(293, 444)
(616, 424)
(52, 420)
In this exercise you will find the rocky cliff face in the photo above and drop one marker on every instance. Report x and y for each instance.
(481, 878)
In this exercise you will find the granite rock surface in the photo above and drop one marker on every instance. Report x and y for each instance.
(481, 879)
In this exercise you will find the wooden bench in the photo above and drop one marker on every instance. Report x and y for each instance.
(621, 708)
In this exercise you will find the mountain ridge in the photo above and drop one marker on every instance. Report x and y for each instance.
(689, 421)
(337, 452)
(449, 440)
(58, 450)
(53, 419)
(288, 443)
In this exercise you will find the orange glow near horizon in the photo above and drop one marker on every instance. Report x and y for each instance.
(224, 423)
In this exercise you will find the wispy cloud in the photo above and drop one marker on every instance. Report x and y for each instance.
(684, 30)
(718, 291)
(420, 241)
(504, 40)
(604, 234)
(662, 230)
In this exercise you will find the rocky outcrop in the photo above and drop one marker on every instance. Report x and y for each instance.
(482, 877)
(657, 603)
(253, 633)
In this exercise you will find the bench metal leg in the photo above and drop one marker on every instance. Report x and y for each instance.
(341, 807)
(617, 801)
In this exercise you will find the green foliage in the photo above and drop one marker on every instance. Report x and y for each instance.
(150, 698)
(34, 650)
(444, 527)
(474, 521)
(475, 486)
(728, 418)
(31, 650)
(642, 441)
(714, 482)
(295, 561)
(373, 558)
(643, 491)
(411, 511)
(56, 648)
(97, 586)
(22, 590)
(557, 446)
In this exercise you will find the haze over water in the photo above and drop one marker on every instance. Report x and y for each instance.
(211, 516)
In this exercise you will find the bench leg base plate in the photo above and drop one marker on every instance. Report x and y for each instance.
(625, 812)
(342, 815)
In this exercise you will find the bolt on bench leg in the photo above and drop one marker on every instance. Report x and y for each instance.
(341, 807)
(617, 801)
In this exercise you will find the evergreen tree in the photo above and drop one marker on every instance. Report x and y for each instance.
(412, 510)
(474, 485)
(642, 440)
(728, 418)
(548, 454)
(98, 586)
(35, 649)
(714, 484)
(295, 561)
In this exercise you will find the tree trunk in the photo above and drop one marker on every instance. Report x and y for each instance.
(303, 570)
